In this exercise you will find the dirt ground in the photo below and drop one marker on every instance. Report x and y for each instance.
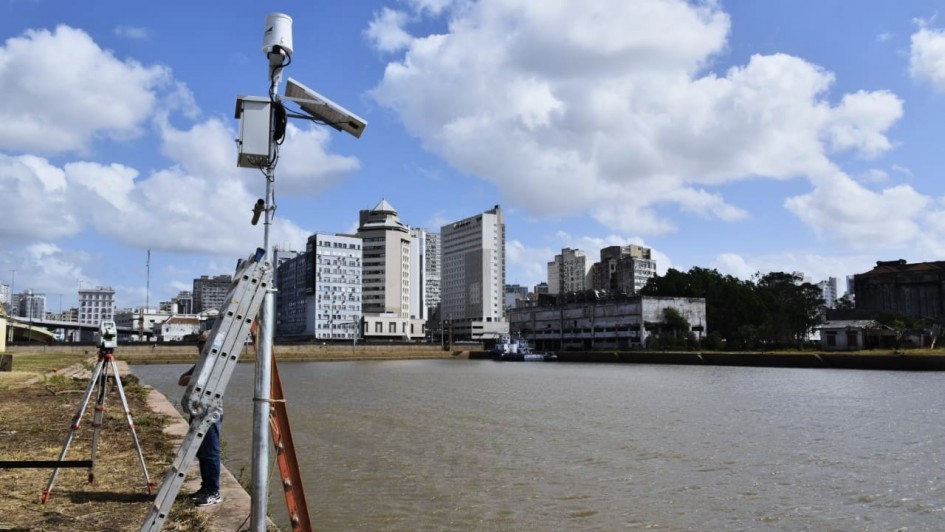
(35, 417)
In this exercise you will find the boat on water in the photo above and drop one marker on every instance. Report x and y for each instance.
(517, 350)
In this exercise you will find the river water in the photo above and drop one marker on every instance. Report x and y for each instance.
(483, 445)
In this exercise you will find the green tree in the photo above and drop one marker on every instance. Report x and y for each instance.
(794, 308)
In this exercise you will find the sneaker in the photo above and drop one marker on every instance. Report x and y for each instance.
(197, 494)
(207, 499)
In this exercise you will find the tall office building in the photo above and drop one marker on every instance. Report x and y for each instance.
(386, 261)
(568, 272)
(333, 279)
(554, 276)
(829, 289)
(473, 275)
(432, 284)
(210, 292)
(29, 305)
(419, 256)
(386, 290)
(5, 297)
(96, 304)
(290, 279)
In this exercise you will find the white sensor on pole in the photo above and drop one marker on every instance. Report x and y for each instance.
(278, 33)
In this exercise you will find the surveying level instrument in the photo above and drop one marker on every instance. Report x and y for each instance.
(108, 341)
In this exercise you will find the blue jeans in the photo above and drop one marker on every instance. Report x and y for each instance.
(208, 455)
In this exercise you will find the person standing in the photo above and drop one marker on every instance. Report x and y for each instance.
(208, 455)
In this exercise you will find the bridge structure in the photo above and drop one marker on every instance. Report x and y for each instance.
(20, 329)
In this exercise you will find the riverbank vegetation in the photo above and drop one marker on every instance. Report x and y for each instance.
(775, 311)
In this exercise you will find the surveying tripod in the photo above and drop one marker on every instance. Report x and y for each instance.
(203, 398)
(106, 362)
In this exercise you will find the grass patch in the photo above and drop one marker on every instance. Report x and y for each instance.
(46, 362)
(34, 421)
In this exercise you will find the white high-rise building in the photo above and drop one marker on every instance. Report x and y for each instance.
(96, 304)
(5, 297)
(473, 275)
(386, 278)
(319, 292)
(418, 273)
(336, 275)
(829, 289)
(386, 261)
(432, 285)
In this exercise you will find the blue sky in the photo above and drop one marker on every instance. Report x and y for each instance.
(743, 136)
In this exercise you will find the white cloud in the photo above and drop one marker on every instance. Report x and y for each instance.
(842, 209)
(133, 32)
(874, 175)
(813, 265)
(433, 7)
(207, 149)
(386, 30)
(85, 92)
(35, 203)
(901, 170)
(525, 265)
(305, 165)
(927, 56)
(608, 109)
(860, 120)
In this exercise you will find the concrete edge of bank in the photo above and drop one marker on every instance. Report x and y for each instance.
(830, 360)
(233, 514)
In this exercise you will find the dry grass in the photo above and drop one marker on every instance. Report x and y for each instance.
(35, 419)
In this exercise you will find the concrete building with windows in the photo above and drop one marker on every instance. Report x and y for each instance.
(623, 269)
(334, 276)
(432, 280)
(29, 305)
(473, 275)
(145, 322)
(386, 276)
(587, 324)
(177, 328)
(183, 303)
(210, 292)
(829, 290)
(96, 304)
(898, 287)
(291, 301)
(419, 256)
(5, 297)
(568, 272)
(319, 292)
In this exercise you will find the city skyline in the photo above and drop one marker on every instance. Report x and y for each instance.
(746, 137)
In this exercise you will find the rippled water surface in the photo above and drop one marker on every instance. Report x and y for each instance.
(481, 445)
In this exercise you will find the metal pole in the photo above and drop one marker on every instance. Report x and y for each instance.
(263, 389)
